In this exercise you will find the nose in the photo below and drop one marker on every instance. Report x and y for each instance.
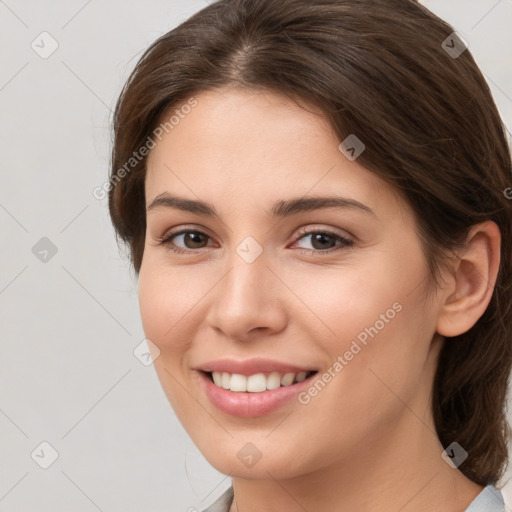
(248, 300)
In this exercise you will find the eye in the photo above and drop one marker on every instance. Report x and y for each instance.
(191, 239)
(194, 239)
(322, 237)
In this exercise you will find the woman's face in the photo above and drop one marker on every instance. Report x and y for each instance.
(254, 287)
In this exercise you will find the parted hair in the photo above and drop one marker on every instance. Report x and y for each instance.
(396, 76)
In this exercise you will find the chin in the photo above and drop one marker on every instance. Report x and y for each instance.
(243, 460)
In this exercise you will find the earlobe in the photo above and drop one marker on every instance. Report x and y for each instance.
(473, 280)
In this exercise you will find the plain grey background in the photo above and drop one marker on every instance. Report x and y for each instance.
(69, 318)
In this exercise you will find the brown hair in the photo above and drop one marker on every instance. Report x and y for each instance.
(431, 129)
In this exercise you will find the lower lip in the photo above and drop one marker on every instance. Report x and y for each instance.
(250, 405)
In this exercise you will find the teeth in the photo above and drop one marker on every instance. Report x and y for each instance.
(287, 379)
(256, 383)
(301, 376)
(239, 382)
(273, 381)
(217, 378)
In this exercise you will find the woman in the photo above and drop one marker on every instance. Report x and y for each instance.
(312, 193)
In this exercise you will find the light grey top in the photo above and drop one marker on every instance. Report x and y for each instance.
(490, 499)
(223, 503)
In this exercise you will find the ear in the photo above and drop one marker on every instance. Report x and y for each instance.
(471, 284)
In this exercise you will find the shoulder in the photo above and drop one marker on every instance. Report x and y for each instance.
(221, 504)
(490, 499)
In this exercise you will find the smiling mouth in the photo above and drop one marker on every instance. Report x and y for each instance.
(258, 382)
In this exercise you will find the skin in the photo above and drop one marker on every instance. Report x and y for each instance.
(367, 441)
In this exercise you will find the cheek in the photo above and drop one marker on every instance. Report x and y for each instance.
(167, 301)
(380, 325)
(351, 302)
(384, 295)
(375, 367)
(165, 298)
(155, 312)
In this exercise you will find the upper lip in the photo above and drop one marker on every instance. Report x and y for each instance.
(250, 366)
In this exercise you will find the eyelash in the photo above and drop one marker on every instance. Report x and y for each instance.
(345, 242)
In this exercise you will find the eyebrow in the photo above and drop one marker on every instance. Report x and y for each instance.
(279, 208)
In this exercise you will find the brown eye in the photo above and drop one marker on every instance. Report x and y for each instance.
(324, 241)
(320, 240)
(191, 240)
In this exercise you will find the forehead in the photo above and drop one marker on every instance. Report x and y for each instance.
(241, 123)
(248, 147)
